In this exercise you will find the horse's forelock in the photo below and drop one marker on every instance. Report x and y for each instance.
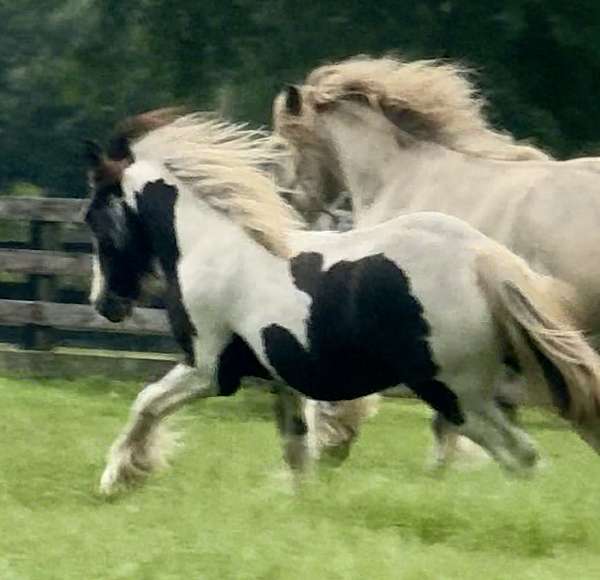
(134, 128)
(110, 167)
(109, 172)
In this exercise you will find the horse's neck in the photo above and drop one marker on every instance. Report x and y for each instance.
(385, 177)
(222, 270)
(205, 235)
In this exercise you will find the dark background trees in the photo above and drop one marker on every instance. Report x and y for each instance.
(71, 68)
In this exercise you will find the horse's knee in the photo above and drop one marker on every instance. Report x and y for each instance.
(145, 402)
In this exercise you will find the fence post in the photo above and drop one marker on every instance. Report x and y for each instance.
(44, 236)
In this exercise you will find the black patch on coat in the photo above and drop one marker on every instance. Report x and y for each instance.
(439, 397)
(306, 271)
(236, 362)
(156, 208)
(365, 332)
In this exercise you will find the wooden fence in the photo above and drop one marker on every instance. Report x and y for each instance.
(54, 228)
(57, 246)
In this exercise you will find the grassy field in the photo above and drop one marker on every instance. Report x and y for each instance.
(223, 512)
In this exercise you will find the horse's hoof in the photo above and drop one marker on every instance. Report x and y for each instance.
(108, 481)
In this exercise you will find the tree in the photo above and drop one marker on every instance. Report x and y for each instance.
(69, 69)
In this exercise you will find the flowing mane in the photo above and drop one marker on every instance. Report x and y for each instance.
(433, 100)
(226, 165)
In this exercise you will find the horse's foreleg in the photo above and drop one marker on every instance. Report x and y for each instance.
(140, 448)
(291, 419)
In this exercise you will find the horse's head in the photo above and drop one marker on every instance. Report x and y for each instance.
(121, 252)
(312, 173)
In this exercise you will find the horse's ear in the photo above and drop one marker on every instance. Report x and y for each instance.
(93, 153)
(119, 149)
(293, 100)
(102, 170)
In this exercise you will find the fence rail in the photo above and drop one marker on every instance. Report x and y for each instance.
(45, 262)
(39, 320)
(79, 317)
(42, 209)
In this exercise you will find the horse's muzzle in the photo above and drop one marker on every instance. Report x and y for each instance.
(114, 308)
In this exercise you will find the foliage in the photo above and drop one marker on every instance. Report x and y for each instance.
(221, 511)
(71, 68)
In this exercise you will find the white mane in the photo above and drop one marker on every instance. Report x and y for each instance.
(432, 100)
(227, 166)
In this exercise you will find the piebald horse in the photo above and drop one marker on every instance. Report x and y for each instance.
(412, 136)
(424, 300)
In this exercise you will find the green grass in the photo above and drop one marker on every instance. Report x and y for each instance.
(222, 512)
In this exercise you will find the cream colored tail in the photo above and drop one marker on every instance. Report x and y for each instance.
(536, 318)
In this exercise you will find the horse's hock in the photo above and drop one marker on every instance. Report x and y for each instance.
(47, 328)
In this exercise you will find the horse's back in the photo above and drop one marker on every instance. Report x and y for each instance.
(558, 228)
(414, 230)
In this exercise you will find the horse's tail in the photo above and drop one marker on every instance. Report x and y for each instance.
(537, 319)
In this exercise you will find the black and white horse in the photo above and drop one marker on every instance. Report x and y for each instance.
(423, 300)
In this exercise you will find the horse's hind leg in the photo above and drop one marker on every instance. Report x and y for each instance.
(138, 450)
(290, 413)
(337, 425)
(510, 389)
(446, 440)
(487, 426)
(450, 445)
(516, 439)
